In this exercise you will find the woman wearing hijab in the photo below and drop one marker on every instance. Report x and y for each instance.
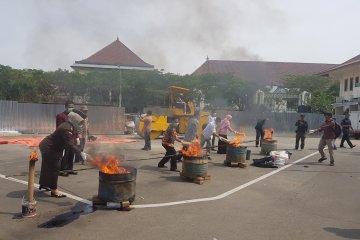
(168, 143)
(224, 128)
(52, 148)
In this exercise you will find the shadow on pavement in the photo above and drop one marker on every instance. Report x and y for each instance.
(345, 233)
(68, 217)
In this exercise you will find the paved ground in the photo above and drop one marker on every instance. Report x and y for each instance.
(306, 200)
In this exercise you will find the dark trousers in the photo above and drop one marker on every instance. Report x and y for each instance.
(222, 145)
(147, 140)
(67, 160)
(259, 136)
(346, 137)
(170, 151)
(300, 136)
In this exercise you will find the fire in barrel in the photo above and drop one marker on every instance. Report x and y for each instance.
(268, 144)
(195, 163)
(116, 183)
(235, 153)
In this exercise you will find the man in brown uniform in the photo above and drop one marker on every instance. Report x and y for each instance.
(52, 148)
(327, 138)
(147, 130)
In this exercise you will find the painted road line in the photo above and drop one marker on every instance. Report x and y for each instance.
(79, 199)
(154, 205)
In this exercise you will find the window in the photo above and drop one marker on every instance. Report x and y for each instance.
(345, 85)
(357, 84)
(351, 84)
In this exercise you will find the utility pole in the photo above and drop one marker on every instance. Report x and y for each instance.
(120, 87)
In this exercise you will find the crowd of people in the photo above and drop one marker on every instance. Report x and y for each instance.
(66, 144)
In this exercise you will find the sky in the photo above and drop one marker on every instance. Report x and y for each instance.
(178, 35)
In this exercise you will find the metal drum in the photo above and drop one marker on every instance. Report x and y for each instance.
(235, 154)
(248, 154)
(268, 146)
(195, 166)
(117, 187)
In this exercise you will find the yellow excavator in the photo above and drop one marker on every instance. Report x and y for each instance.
(179, 110)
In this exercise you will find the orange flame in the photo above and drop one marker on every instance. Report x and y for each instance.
(239, 138)
(109, 165)
(194, 150)
(268, 134)
(33, 155)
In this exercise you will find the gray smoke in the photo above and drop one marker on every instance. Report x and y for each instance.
(173, 35)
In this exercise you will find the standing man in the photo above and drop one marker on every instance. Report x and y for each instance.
(83, 132)
(207, 133)
(66, 165)
(302, 128)
(259, 127)
(327, 138)
(346, 126)
(192, 128)
(147, 130)
(211, 119)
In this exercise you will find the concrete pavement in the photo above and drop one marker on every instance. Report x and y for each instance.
(307, 200)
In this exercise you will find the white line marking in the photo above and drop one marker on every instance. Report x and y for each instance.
(218, 197)
(79, 199)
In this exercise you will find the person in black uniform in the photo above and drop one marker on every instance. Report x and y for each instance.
(52, 148)
(260, 133)
(346, 127)
(302, 128)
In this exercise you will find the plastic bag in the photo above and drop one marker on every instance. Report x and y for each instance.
(280, 157)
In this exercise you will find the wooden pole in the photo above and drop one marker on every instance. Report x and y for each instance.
(31, 181)
(33, 158)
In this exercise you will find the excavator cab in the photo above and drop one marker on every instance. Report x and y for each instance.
(179, 104)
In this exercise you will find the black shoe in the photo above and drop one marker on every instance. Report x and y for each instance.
(45, 188)
(353, 146)
(322, 159)
(63, 174)
(332, 164)
(162, 166)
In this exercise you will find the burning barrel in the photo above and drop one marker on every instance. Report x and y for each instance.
(235, 154)
(116, 184)
(195, 166)
(195, 163)
(268, 145)
(117, 187)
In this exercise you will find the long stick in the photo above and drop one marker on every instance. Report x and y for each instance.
(33, 158)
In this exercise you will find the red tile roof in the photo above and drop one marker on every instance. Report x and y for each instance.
(115, 54)
(354, 60)
(263, 73)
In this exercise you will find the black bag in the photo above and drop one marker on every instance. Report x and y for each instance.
(337, 130)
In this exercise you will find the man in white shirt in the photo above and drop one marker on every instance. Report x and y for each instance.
(212, 118)
(207, 133)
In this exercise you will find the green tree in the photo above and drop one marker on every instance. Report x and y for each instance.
(323, 90)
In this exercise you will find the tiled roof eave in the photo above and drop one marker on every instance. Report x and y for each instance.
(127, 67)
(338, 67)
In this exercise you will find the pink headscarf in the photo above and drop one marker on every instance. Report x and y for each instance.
(225, 125)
